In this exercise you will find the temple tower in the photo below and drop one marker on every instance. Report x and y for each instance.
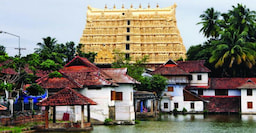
(134, 32)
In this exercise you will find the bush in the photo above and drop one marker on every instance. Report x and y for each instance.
(35, 89)
(175, 111)
(108, 121)
(137, 122)
(184, 110)
(55, 74)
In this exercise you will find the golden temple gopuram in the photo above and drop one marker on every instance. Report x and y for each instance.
(134, 32)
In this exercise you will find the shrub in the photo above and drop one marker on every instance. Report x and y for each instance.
(108, 121)
(55, 74)
(184, 110)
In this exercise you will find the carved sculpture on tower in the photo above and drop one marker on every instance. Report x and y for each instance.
(134, 32)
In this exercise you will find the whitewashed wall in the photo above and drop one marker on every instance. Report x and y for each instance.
(208, 92)
(245, 99)
(125, 109)
(203, 82)
(234, 93)
(103, 99)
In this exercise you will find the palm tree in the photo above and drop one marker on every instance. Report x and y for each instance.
(241, 18)
(210, 22)
(233, 50)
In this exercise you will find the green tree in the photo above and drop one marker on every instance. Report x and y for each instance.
(210, 23)
(232, 51)
(35, 89)
(90, 55)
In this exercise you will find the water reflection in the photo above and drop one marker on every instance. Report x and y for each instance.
(187, 124)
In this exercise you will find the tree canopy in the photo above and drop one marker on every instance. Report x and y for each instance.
(230, 49)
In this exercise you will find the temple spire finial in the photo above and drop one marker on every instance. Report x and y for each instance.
(157, 6)
(131, 6)
(148, 5)
(106, 6)
(140, 6)
(114, 6)
(123, 6)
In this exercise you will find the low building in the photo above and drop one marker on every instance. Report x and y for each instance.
(110, 88)
(180, 75)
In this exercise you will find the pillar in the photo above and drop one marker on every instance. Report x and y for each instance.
(46, 117)
(152, 106)
(31, 104)
(11, 105)
(82, 116)
(88, 113)
(54, 114)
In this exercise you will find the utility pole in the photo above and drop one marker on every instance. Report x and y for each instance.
(19, 41)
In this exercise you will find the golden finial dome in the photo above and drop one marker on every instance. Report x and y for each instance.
(106, 6)
(148, 5)
(140, 6)
(123, 6)
(131, 6)
(114, 6)
(157, 6)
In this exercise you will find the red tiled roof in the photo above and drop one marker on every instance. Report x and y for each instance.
(65, 97)
(118, 75)
(188, 96)
(2, 107)
(170, 70)
(80, 72)
(229, 83)
(58, 83)
(193, 66)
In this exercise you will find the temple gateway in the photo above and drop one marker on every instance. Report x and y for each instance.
(134, 33)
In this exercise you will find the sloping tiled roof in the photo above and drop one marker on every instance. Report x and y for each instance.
(80, 72)
(118, 75)
(2, 107)
(188, 96)
(66, 97)
(193, 66)
(170, 69)
(248, 85)
(229, 83)
(57, 83)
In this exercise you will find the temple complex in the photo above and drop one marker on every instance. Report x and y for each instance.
(134, 33)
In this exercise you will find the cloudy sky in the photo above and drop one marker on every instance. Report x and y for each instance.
(65, 20)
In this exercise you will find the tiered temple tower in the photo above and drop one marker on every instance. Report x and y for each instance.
(134, 32)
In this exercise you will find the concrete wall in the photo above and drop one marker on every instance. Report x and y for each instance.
(245, 99)
(202, 82)
(234, 92)
(125, 108)
(208, 92)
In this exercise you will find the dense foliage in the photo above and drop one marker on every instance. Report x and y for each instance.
(156, 83)
(231, 48)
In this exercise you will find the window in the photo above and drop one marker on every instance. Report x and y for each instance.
(166, 105)
(200, 92)
(190, 77)
(249, 92)
(199, 77)
(127, 46)
(127, 56)
(128, 29)
(192, 105)
(128, 22)
(116, 95)
(170, 88)
(249, 105)
(176, 105)
(221, 92)
(127, 38)
(123, 13)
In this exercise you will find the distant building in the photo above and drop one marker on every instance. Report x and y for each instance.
(134, 32)
(110, 88)
(180, 75)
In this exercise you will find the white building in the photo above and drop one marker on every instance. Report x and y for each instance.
(181, 75)
(111, 88)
